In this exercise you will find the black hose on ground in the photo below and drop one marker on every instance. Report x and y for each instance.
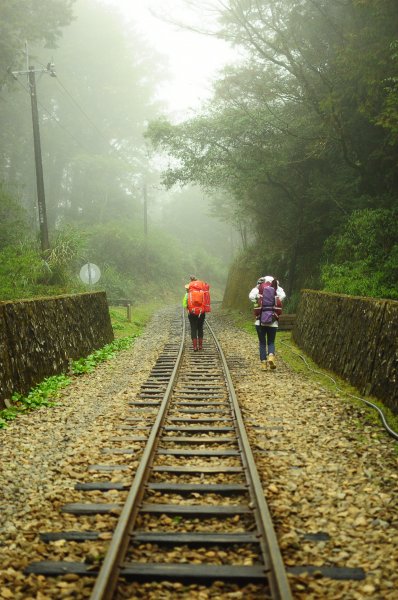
(393, 433)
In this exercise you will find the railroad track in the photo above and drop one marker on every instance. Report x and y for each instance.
(195, 511)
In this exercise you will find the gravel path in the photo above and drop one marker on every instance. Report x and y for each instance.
(324, 469)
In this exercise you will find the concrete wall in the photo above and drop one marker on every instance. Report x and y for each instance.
(37, 337)
(355, 337)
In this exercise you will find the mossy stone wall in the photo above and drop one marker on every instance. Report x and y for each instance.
(242, 278)
(355, 337)
(39, 336)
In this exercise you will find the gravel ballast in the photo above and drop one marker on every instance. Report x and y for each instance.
(325, 470)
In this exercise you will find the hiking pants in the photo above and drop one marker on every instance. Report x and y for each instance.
(266, 337)
(196, 322)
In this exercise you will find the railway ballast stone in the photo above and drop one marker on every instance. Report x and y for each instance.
(324, 467)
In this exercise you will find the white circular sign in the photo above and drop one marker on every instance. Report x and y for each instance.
(90, 273)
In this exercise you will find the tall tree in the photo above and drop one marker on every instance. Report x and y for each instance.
(33, 21)
(92, 118)
(302, 133)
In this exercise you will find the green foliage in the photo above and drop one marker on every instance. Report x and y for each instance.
(61, 258)
(46, 393)
(13, 219)
(301, 134)
(133, 265)
(20, 268)
(88, 364)
(43, 394)
(32, 20)
(24, 273)
(362, 259)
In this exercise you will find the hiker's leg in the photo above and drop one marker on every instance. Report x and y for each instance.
(261, 342)
(201, 322)
(271, 335)
(193, 321)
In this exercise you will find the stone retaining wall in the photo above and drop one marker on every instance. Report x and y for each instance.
(355, 337)
(39, 336)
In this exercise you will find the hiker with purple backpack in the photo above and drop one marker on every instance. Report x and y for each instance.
(267, 297)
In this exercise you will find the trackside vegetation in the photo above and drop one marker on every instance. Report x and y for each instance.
(47, 392)
(301, 363)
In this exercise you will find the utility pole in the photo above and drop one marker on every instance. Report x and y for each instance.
(145, 199)
(145, 211)
(41, 201)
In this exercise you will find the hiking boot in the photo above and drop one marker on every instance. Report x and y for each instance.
(200, 342)
(195, 345)
(271, 361)
(263, 365)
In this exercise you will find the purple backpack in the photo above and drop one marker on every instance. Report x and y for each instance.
(268, 306)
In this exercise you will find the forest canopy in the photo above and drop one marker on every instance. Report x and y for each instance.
(302, 136)
(297, 149)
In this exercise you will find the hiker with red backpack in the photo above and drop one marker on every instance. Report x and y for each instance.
(267, 297)
(197, 303)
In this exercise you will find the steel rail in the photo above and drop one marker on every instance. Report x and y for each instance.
(107, 577)
(277, 575)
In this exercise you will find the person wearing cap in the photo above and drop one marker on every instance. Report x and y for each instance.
(266, 333)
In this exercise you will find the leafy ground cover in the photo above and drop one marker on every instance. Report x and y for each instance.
(45, 394)
(140, 315)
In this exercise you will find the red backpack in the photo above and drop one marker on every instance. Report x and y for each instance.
(198, 297)
(206, 296)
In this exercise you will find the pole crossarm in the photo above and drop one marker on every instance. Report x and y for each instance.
(50, 69)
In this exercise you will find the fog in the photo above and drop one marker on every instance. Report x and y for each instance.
(193, 59)
(179, 137)
(116, 67)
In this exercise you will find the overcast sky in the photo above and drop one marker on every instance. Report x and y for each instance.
(194, 59)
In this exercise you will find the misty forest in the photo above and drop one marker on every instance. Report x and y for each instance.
(290, 166)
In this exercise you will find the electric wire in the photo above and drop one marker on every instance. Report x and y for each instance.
(120, 154)
(392, 433)
(58, 122)
(53, 117)
(103, 136)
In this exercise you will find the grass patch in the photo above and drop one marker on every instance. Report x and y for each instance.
(140, 316)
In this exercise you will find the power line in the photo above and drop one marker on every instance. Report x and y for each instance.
(120, 154)
(54, 118)
(58, 122)
(83, 111)
(69, 133)
(49, 68)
